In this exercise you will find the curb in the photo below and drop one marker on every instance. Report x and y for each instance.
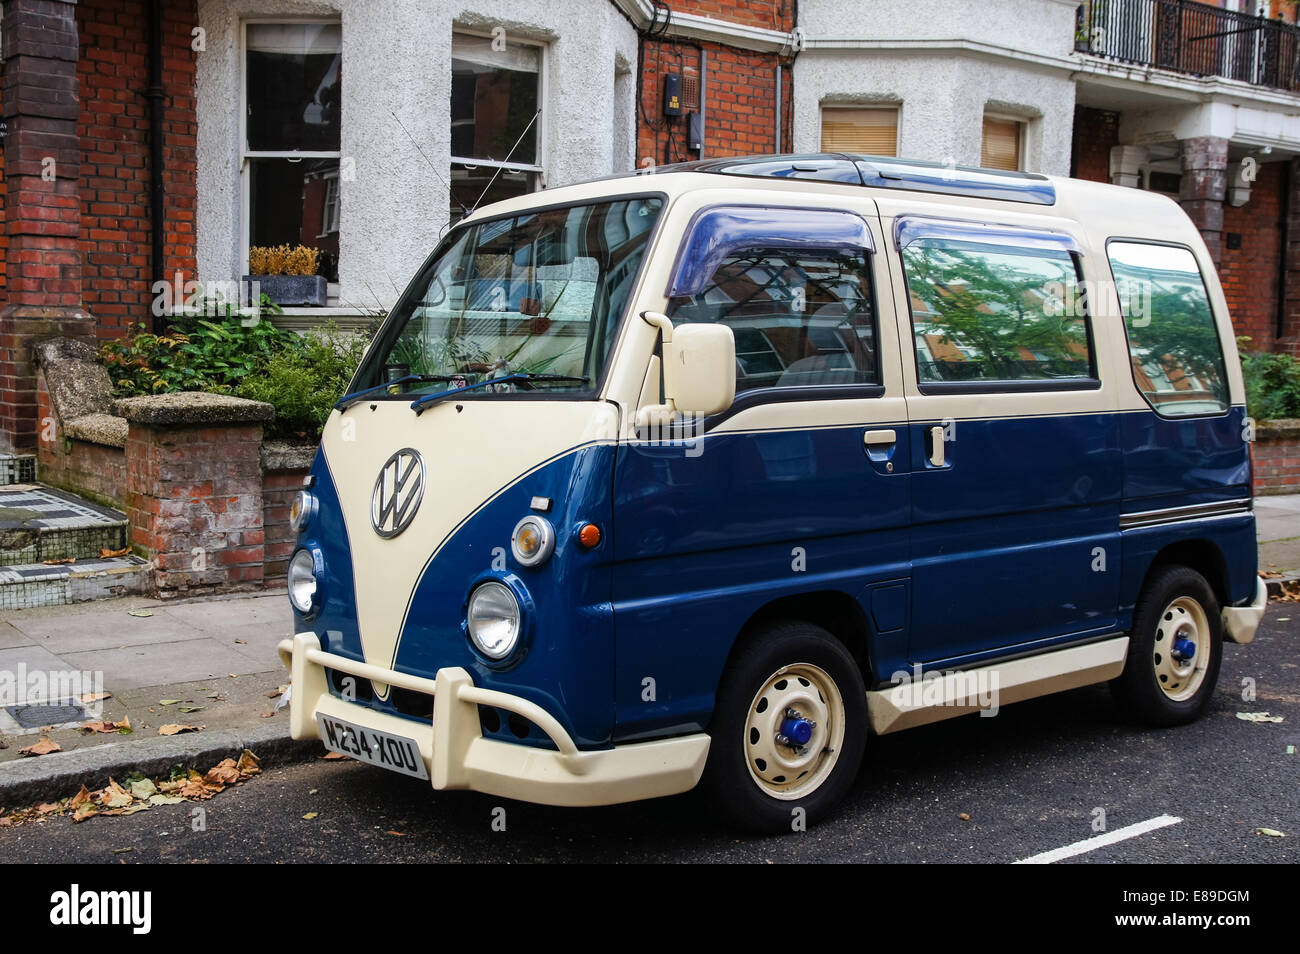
(1275, 586)
(60, 774)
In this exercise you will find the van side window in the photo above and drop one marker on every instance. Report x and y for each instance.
(1172, 337)
(801, 318)
(993, 313)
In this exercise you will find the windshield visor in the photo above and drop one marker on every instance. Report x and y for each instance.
(535, 297)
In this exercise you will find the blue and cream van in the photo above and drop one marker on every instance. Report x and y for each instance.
(707, 475)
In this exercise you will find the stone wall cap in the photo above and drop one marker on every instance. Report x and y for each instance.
(193, 408)
(98, 429)
(287, 455)
(1277, 429)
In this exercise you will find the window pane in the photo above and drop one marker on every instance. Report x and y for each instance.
(296, 202)
(873, 132)
(1172, 338)
(800, 318)
(541, 292)
(292, 86)
(493, 100)
(995, 313)
(492, 183)
(1000, 148)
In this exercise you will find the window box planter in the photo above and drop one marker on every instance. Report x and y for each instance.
(292, 289)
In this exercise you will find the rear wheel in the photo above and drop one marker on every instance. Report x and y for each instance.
(1175, 649)
(788, 729)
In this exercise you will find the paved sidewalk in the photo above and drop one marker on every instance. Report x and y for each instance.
(1277, 527)
(214, 657)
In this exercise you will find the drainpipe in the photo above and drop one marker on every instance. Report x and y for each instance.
(779, 71)
(154, 94)
(704, 98)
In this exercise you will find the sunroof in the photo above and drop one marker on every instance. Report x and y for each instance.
(884, 172)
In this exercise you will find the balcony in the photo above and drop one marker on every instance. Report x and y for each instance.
(1191, 38)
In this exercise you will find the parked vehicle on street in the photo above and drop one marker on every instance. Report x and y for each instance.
(704, 476)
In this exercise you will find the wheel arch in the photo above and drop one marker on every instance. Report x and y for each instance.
(1199, 554)
(833, 610)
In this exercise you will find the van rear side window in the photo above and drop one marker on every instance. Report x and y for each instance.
(801, 318)
(984, 314)
(1172, 338)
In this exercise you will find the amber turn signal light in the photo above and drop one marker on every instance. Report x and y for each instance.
(589, 535)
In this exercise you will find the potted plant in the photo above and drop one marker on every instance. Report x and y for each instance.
(287, 275)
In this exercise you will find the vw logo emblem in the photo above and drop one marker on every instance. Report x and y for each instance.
(398, 492)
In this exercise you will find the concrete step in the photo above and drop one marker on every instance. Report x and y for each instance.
(38, 524)
(29, 585)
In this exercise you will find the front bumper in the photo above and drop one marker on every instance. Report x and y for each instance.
(456, 754)
(1240, 622)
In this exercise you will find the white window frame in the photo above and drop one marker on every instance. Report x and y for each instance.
(541, 126)
(245, 154)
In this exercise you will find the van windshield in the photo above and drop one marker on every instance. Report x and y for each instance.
(535, 297)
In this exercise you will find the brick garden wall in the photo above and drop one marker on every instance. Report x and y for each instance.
(278, 490)
(113, 125)
(91, 470)
(1250, 273)
(1276, 456)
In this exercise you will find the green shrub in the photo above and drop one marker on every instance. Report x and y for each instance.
(1272, 384)
(304, 379)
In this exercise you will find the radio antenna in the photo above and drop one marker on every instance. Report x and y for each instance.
(507, 158)
(431, 165)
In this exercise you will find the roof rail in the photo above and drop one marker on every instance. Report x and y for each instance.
(883, 172)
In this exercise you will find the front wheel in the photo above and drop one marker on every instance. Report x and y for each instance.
(788, 729)
(1174, 651)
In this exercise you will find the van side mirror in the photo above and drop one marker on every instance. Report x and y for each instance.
(699, 363)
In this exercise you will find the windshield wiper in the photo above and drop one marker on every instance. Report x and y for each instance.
(420, 404)
(348, 400)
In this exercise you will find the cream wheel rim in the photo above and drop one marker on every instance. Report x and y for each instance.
(795, 700)
(1181, 653)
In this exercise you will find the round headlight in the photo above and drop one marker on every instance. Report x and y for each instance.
(493, 620)
(302, 581)
(533, 540)
(300, 511)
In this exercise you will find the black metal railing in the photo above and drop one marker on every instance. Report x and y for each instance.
(1193, 38)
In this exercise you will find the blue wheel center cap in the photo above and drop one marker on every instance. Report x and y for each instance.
(799, 731)
(1184, 648)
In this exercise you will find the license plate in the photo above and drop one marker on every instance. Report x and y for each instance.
(393, 752)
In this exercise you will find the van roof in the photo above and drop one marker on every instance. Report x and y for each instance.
(1130, 211)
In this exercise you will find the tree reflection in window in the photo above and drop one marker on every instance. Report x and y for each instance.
(995, 313)
(1172, 337)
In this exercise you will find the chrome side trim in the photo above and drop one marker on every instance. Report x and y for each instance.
(1150, 518)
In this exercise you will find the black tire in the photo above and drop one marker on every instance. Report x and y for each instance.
(1148, 689)
(820, 773)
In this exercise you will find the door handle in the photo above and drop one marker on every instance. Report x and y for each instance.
(937, 457)
(876, 438)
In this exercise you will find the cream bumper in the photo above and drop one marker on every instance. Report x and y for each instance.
(1240, 622)
(456, 754)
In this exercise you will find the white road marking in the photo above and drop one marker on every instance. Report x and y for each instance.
(1100, 841)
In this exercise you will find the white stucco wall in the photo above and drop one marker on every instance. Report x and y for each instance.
(943, 70)
(397, 59)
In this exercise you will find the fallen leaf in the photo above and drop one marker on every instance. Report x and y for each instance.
(122, 851)
(223, 773)
(43, 747)
(83, 811)
(964, 817)
(107, 554)
(276, 692)
(81, 798)
(48, 808)
(106, 727)
(90, 697)
(62, 562)
(399, 834)
(114, 796)
(1271, 832)
(165, 799)
(142, 613)
(143, 788)
(1282, 619)
(190, 709)
(169, 702)
(1258, 717)
(173, 728)
(241, 642)
(310, 815)
(331, 756)
(135, 808)
(249, 764)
